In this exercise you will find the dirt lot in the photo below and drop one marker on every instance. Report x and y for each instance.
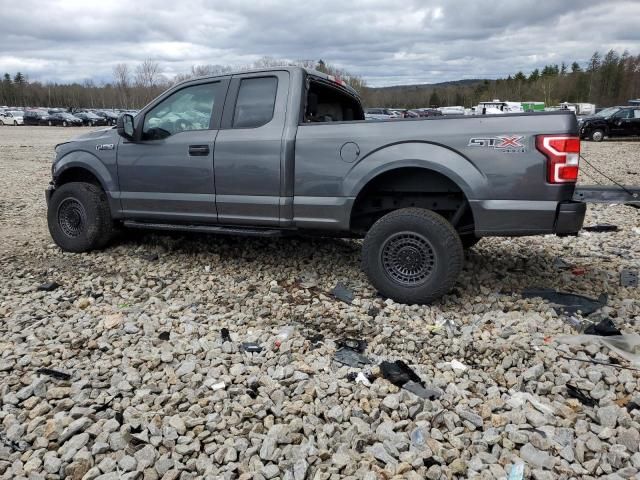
(137, 327)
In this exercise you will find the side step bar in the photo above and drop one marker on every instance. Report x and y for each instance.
(630, 195)
(220, 230)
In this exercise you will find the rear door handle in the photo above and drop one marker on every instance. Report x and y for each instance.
(198, 150)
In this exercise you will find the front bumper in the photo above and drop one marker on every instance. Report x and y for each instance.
(48, 193)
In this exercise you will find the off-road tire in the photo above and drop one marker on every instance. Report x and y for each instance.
(597, 135)
(412, 255)
(79, 217)
(469, 240)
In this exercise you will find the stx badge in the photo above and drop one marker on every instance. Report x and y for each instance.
(503, 143)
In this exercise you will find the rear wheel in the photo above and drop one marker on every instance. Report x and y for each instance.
(412, 255)
(15, 123)
(64, 123)
(79, 217)
(50, 123)
(597, 135)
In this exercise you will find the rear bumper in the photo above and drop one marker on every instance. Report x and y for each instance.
(570, 218)
(512, 218)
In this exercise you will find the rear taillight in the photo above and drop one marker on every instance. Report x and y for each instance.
(563, 154)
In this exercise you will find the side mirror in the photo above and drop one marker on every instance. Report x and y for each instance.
(124, 125)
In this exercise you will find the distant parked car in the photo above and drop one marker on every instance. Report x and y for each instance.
(379, 114)
(65, 120)
(36, 117)
(611, 122)
(110, 116)
(12, 117)
(90, 119)
(429, 112)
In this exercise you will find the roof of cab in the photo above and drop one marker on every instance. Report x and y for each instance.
(309, 71)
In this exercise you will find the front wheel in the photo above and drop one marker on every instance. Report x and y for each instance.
(79, 217)
(15, 124)
(597, 135)
(412, 255)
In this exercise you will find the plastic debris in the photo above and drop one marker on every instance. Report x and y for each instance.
(517, 471)
(218, 386)
(224, 334)
(353, 343)
(579, 271)
(627, 345)
(581, 395)
(561, 263)
(457, 365)
(164, 336)
(251, 347)
(360, 377)
(350, 357)
(401, 375)
(629, 278)
(283, 335)
(606, 328)
(563, 302)
(418, 437)
(598, 362)
(54, 373)
(601, 227)
(342, 293)
(48, 286)
(421, 391)
(518, 399)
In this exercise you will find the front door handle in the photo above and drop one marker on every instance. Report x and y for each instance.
(198, 150)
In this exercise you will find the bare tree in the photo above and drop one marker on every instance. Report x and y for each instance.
(122, 79)
(148, 74)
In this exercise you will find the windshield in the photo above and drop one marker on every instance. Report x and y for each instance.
(16, 113)
(607, 112)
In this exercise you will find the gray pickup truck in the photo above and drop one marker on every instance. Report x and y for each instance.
(288, 151)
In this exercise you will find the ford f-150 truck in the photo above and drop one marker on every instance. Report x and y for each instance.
(287, 150)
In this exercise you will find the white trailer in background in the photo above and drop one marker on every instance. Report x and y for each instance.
(498, 107)
(456, 110)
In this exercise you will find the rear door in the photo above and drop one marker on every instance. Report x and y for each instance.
(248, 150)
(621, 123)
(168, 174)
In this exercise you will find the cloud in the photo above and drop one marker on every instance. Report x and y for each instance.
(384, 41)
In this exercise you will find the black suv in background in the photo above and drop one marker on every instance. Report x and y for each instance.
(64, 119)
(110, 116)
(611, 122)
(90, 119)
(36, 117)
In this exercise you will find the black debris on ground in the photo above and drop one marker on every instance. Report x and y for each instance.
(49, 286)
(601, 227)
(54, 373)
(605, 328)
(569, 303)
(582, 396)
(342, 293)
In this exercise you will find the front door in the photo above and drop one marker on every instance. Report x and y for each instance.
(621, 123)
(167, 175)
(248, 150)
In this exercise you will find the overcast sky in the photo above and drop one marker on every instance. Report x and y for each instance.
(387, 42)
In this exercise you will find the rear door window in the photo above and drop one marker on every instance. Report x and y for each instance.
(255, 103)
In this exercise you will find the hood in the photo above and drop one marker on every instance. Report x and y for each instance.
(100, 134)
(590, 118)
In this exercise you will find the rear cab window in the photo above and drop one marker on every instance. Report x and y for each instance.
(327, 101)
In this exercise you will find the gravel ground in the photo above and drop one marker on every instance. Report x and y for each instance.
(154, 392)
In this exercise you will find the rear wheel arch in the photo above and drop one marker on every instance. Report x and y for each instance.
(407, 187)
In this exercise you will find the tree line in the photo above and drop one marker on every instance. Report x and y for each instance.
(605, 80)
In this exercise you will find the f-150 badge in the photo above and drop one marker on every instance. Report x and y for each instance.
(105, 146)
(503, 143)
